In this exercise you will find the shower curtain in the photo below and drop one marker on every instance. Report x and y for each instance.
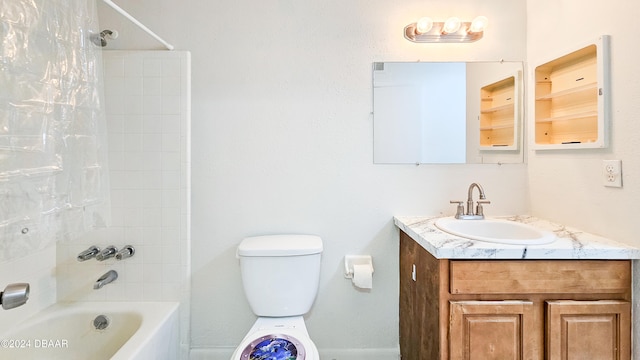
(53, 156)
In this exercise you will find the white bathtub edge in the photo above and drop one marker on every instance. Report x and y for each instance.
(155, 332)
(158, 336)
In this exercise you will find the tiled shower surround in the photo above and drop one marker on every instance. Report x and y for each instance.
(147, 101)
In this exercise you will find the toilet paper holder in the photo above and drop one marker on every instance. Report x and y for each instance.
(351, 260)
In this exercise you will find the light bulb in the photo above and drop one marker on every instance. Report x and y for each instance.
(478, 24)
(424, 25)
(451, 25)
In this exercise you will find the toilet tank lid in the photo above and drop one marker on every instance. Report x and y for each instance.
(280, 245)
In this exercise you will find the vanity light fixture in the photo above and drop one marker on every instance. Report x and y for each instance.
(452, 30)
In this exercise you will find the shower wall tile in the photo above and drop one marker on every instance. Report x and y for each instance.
(147, 103)
(132, 63)
(152, 67)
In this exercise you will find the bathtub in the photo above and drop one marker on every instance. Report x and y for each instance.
(134, 330)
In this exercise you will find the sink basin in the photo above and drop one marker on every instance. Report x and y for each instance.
(496, 231)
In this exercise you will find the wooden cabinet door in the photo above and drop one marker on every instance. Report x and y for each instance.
(492, 330)
(579, 330)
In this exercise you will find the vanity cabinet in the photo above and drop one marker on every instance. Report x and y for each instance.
(571, 99)
(491, 329)
(512, 309)
(498, 115)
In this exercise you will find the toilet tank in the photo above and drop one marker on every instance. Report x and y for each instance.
(280, 273)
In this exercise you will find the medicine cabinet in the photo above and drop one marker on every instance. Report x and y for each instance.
(571, 99)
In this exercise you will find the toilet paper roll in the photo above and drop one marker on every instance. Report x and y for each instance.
(363, 276)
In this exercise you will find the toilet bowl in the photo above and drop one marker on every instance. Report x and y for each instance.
(280, 277)
(283, 338)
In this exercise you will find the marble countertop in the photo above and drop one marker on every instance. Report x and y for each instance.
(571, 243)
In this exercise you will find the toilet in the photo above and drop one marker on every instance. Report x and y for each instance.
(280, 276)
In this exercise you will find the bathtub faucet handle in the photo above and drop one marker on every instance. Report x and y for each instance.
(125, 252)
(106, 253)
(89, 253)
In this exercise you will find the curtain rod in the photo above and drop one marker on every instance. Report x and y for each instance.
(138, 23)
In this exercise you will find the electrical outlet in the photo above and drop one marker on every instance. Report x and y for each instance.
(612, 173)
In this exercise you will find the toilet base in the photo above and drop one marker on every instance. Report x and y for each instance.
(285, 335)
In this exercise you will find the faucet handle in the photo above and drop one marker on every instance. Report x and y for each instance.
(459, 209)
(106, 253)
(125, 252)
(91, 252)
(479, 210)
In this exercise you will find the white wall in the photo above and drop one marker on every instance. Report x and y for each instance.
(566, 186)
(282, 142)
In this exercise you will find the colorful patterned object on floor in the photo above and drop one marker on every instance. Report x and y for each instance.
(274, 349)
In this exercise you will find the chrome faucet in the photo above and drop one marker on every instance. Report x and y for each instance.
(106, 253)
(470, 214)
(470, 199)
(89, 253)
(105, 279)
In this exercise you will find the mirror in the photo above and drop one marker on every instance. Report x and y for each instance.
(447, 112)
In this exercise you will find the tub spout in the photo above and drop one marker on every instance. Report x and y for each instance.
(105, 279)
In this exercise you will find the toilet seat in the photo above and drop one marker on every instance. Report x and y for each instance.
(284, 340)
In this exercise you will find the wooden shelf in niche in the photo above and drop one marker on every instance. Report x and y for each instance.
(498, 115)
(571, 99)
